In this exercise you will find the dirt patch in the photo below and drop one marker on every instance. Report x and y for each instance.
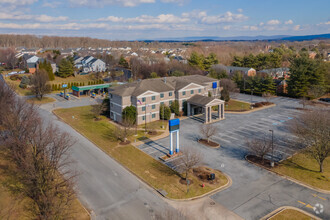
(124, 143)
(261, 104)
(209, 144)
(184, 182)
(265, 163)
(97, 119)
(203, 173)
(152, 132)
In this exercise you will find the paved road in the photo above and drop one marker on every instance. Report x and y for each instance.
(255, 192)
(104, 186)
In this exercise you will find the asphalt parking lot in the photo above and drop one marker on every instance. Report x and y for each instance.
(255, 192)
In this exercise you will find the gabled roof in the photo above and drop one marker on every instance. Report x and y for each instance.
(203, 100)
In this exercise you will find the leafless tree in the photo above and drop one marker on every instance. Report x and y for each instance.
(190, 158)
(260, 147)
(124, 131)
(316, 91)
(39, 161)
(313, 130)
(267, 96)
(97, 110)
(7, 56)
(304, 102)
(229, 86)
(208, 131)
(40, 85)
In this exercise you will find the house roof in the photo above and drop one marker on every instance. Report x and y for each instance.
(202, 100)
(234, 68)
(159, 85)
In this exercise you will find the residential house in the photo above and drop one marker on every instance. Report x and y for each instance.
(245, 70)
(89, 64)
(276, 73)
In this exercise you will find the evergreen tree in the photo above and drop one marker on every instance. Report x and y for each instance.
(175, 107)
(123, 62)
(164, 112)
(129, 113)
(66, 68)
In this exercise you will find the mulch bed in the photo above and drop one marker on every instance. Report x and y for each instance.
(124, 143)
(152, 132)
(258, 160)
(202, 173)
(184, 182)
(261, 104)
(209, 144)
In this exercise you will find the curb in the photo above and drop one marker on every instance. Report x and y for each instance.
(227, 185)
(250, 111)
(208, 145)
(290, 178)
(283, 208)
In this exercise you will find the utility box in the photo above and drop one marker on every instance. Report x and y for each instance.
(211, 176)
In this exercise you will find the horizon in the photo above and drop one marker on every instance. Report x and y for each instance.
(163, 19)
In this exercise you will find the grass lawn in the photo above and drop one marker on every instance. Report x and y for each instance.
(147, 168)
(78, 78)
(13, 208)
(156, 125)
(235, 105)
(291, 214)
(44, 100)
(304, 168)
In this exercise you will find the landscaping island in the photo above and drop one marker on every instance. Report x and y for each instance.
(153, 172)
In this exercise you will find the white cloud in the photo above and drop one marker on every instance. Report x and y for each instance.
(101, 3)
(250, 28)
(273, 22)
(51, 4)
(24, 17)
(18, 2)
(296, 28)
(240, 10)
(194, 14)
(228, 17)
(163, 18)
(227, 27)
(179, 2)
(288, 22)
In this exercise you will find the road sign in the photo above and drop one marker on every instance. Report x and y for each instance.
(174, 125)
(64, 85)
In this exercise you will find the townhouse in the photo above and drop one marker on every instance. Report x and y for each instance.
(147, 95)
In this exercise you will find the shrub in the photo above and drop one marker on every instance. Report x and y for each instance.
(164, 112)
(175, 107)
(15, 77)
(257, 105)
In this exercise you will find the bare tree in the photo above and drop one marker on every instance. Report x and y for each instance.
(208, 131)
(313, 130)
(40, 85)
(126, 130)
(190, 158)
(259, 147)
(229, 88)
(97, 110)
(267, 96)
(40, 160)
(7, 56)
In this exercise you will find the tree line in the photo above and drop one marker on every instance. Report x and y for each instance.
(36, 153)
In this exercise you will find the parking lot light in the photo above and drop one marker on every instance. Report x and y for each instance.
(272, 162)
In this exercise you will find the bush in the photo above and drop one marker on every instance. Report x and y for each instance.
(25, 81)
(164, 112)
(257, 105)
(175, 107)
(15, 77)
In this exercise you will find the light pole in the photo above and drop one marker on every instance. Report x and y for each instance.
(251, 98)
(272, 162)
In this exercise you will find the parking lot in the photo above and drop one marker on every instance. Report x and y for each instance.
(254, 192)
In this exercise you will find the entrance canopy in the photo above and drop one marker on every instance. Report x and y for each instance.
(205, 104)
(76, 90)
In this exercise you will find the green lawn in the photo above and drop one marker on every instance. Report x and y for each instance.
(235, 105)
(305, 169)
(147, 168)
(291, 214)
(44, 100)
(156, 125)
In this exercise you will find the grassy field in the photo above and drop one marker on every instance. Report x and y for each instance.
(156, 125)
(235, 105)
(13, 208)
(304, 168)
(147, 168)
(44, 100)
(291, 214)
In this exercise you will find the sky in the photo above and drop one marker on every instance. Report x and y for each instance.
(159, 19)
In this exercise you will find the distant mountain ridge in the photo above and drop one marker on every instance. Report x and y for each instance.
(246, 38)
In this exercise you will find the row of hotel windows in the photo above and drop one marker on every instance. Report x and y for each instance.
(161, 103)
(144, 117)
(170, 94)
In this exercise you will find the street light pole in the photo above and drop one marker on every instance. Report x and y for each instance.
(272, 163)
(251, 98)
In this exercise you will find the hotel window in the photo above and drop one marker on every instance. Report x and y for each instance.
(183, 93)
(192, 92)
(162, 103)
(143, 99)
(170, 102)
(143, 118)
(161, 95)
(199, 91)
(170, 94)
(153, 115)
(153, 106)
(143, 108)
(111, 105)
(153, 98)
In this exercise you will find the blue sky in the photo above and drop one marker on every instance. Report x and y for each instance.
(154, 19)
